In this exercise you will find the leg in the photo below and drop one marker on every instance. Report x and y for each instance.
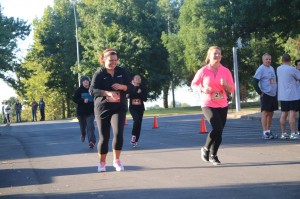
(103, 125)
(298, 122)
(90, 128)
(283, 117)
(217, 118)
(117, 122)
(82, 125)
(292, 121)
(269, 119)
(264, 120)
(137, 116)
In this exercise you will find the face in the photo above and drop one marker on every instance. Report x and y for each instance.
(298, 65)
(215, 56)
(137, 79)
(85, 83)
(111, 62)
(267, 60)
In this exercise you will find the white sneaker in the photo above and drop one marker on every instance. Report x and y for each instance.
(294, 136)
(285, 136)
(117, 164)
(101, 167)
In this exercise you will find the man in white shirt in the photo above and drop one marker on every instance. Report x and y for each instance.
(288, 96)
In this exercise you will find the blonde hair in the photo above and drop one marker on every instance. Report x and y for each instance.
(209, 51)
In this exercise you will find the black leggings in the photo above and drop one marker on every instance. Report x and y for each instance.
(137, 116)
(116, 121)
(217, 118)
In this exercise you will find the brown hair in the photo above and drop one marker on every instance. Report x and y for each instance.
(105, 54)
(209, 51)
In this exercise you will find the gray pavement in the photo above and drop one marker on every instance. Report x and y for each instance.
(47, 160)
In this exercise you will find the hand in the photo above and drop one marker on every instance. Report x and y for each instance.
(207, 89)
(86, 100)
(119, 87)
(139, 91)
(223, 82)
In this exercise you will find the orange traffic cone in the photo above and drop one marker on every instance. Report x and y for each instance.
(155, 124)
(125, 122)
(203, 126)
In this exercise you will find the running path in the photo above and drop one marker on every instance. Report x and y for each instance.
(47, 160)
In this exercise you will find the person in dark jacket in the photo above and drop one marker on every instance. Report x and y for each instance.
(18, 109)
(137, 108)
(42, 105)
(85, 111)
(109, 87)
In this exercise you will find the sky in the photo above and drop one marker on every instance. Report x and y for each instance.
(28, 10)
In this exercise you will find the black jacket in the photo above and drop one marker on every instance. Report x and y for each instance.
(135, 95)
(83, 108)
(103, 81)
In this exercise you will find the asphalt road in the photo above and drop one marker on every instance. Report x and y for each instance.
(47, 160)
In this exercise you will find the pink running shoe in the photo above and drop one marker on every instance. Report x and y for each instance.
(117, 164)
(101, 167)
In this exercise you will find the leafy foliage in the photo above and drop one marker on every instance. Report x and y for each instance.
(10, 31)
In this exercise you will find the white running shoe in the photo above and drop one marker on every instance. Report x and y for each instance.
(101, 167)
(117, 164)
(294, 136)
(285, 136)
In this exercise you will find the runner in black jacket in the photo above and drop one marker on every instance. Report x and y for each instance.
(85, 111)
(137, 108)
(109, 87)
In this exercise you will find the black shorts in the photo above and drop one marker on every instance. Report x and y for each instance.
(289, 105)
(268, 103)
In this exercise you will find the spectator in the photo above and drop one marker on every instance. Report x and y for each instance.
(3, 114)
(18, 109)
(264, 83)
(34, 106)
(7, 110)
(288, 95)
(42, 109)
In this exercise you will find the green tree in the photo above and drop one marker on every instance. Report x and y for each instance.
(10, 31)
(51, 58)
(131, 27)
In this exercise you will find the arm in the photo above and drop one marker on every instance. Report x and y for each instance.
(255, 85)
(77, 97)
(94, 90)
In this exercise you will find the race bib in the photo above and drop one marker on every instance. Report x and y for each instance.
(136, 102)
(115, 98)
(217, 95)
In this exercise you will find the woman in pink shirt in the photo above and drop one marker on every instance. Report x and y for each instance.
(212, 82)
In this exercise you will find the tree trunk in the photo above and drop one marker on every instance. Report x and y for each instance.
(63, 108)
(165, 96)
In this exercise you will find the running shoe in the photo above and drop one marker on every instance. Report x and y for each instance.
(133, 139)
(268, 136)
(204, 154)
(294, 136)
(135, 144)
(273, 135)
(117, 164)
(285, 136)
(101, 167)
(214, 159)
(82, 137)
(91, 145)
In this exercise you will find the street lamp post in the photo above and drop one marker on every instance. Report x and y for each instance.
(77, 43)
(236, 75)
